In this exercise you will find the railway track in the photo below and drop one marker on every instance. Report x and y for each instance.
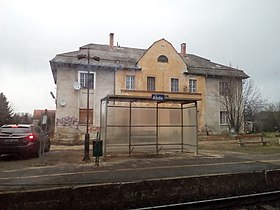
(249, 201)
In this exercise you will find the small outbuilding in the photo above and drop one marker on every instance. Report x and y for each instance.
(141, 123)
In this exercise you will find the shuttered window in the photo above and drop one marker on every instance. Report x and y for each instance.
(83, 116)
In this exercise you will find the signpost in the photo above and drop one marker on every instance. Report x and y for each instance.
(44, 126)
(158, 97)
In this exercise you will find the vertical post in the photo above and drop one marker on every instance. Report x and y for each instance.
(129, 131)
(182, 129)
(105, 125)
(87, 136)
(157, 131)
(196, 130)
(101, 125)
(44, 126)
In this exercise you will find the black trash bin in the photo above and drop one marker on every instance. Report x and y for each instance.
(97, 148)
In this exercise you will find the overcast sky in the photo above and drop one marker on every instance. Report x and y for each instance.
(240, 33)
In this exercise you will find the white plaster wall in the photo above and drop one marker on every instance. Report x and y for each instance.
(213, 106)
(77, 99)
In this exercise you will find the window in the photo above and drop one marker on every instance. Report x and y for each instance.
(83, 75)
(223, 118)
(174, 85)
(192, 86)
(162, 59)
(223, 88)
(83, 116)
(151, 83)
(130, 82)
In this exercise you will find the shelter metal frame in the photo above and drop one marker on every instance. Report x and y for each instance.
(184, 104)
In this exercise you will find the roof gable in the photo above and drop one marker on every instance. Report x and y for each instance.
(161, 42)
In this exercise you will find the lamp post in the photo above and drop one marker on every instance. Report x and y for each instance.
(87, 136)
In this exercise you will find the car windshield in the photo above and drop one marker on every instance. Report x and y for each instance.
(15, 130)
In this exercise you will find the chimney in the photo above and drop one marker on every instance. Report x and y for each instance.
(183, 49)
(111, 40)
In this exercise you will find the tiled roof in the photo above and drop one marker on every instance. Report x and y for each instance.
(201, 66)
(119, 56)
(127, 58)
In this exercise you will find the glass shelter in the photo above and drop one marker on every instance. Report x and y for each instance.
(148, 124)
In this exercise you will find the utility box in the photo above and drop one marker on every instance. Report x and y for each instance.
(97, 148)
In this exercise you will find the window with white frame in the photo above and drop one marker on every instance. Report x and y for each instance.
(174, 85)
(83, 75)
(223, 118)
(130, 82)
(151, 83)
(192, 86)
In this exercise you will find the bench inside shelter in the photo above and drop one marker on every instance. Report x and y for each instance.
(250, 139)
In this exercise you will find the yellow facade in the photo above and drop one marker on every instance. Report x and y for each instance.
(163, 72)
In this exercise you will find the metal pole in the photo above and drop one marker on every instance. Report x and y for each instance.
(182, 128)
(196, 130)
(105, 125)
(129, 131)
(87, 137)
(100, 117)
(157, 129)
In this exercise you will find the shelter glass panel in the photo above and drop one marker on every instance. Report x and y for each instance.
(170, 135)
(118, 116)
(143, 135)
(169, 116)
(190, 138)
(117, 135)
(189, 116)
(143, 116)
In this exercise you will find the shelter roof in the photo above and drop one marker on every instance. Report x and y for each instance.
(127, 98)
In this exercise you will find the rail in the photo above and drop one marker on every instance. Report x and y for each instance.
(224, 202)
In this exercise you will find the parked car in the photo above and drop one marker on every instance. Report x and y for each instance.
(23, 139)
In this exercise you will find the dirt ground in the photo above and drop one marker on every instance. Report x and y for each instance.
(61, 155)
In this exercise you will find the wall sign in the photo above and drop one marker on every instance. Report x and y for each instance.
(158, 97)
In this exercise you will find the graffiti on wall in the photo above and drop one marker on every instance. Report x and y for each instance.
(67, 121)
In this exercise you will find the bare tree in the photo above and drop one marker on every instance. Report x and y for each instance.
(253, 101)
(238, 98)
(230, 97)
(19, 118)
(268, 119)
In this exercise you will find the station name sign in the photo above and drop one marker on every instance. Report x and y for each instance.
(158, 97)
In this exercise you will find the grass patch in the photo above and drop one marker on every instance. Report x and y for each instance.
(270, 134)
(271, 147)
